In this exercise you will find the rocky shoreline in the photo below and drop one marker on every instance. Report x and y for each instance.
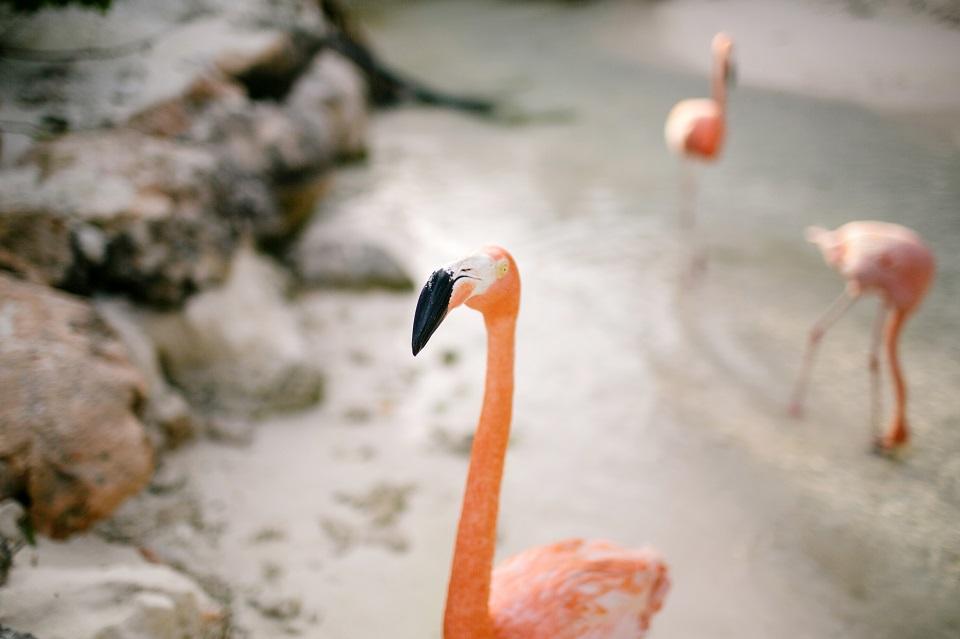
(148, 258)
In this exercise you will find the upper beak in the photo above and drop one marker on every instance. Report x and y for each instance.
(431, 307)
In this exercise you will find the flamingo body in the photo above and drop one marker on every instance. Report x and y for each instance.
(569, 590)
(893, 262)
(578, 589)
(695, 129)
(879, 257)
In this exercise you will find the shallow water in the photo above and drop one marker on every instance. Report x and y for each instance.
(586, 206)
(643, 414)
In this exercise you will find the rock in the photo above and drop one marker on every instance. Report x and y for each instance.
(239, 349)
(270, 74)
(286, 151)
(346, 264)
(18, 266)
(10, 633)
(231, 121)
(266, 138)
(161, 520)
(70, 438)
(127, 212)
(332, 94)
(11, 513)
(169, 418)
(12, 536)
(125, 601)
(160, 49)
(167, 525)
(175, 116)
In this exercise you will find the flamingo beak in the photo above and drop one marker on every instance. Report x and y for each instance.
(431, 307)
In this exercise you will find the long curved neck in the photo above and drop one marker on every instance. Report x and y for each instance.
(718, 81)
(467, 614)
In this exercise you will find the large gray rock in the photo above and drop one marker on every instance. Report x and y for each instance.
(124, 211)
(154, 51)
(70, 438)
(289, 153)
(169, 418)
(154, 210)
(239, 349)
(332, 94)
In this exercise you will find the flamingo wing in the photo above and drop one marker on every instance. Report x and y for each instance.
(887, 258)
(578, 589)
(695, 128)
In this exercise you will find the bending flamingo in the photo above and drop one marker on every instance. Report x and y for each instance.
(695, 131)
(892, 261)
(573, 589)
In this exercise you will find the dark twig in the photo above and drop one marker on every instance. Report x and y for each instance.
(387, 86)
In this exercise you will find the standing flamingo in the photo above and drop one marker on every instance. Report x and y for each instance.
(573, 589)
(892, 261)
(695, 131)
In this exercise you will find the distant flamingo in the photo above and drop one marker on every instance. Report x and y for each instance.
(695, 131)
(573, 589)
(892, 261)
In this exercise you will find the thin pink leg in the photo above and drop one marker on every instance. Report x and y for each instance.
(876, 398)
(688, 199)
(834, 312)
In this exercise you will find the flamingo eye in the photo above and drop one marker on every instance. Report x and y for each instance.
(502, 267)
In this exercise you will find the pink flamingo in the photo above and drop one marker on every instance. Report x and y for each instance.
(892, 261)
(695, 131)
(573, 589)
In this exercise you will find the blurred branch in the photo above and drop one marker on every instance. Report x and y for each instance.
(388, 86)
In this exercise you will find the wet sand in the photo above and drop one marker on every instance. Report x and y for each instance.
(643, 415)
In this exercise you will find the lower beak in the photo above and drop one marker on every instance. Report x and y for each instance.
(431, 308)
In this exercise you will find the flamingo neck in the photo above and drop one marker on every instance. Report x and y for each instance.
(718, 82)
(467, 613)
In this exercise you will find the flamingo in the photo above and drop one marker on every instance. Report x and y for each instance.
(573, 589)
(893, 262)
(695, 131)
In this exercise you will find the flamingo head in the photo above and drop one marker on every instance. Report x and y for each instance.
(486, 281)
(831, 246)
(722, 47)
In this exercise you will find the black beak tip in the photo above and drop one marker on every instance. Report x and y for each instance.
(431, 308)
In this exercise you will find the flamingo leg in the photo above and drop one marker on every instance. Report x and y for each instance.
(694, 259)
(833, 313)
(873, 363)
(688, 198)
